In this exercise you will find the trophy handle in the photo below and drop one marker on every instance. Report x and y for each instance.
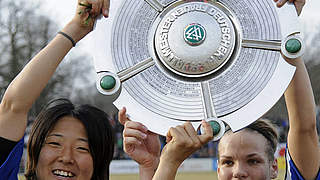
(292, 46)
(110, 84)
(218, 128)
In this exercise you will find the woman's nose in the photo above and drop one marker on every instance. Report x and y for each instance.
(239, 171)
(66, 156)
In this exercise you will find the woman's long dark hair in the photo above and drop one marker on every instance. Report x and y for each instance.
(98, 127)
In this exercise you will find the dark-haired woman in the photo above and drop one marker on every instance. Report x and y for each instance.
(66, 141)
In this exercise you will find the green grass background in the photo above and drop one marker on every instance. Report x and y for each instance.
(180, 176)
(185, 176)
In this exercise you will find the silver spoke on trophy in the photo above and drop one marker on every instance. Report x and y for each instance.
(291, 46)
(262, 44)
(208, 106)
(135, 69)
(155, 5)
(217, 125)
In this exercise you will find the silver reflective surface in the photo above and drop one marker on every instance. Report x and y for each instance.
(194, 39)
(242, 87)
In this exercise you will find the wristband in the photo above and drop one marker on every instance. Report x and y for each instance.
(68, 37)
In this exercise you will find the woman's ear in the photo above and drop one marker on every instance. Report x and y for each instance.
(274, 169)
(218, 168)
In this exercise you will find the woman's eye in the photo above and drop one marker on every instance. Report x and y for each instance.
(83, 149)
(54, 143)
(253, 161)
(227, 162)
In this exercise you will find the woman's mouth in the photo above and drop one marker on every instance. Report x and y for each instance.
(62, 173)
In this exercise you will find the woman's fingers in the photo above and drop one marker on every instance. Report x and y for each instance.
(124, 120)
(90, 10)
(100, 7)
(105, 8)
(280, 3)
(134, 134)
(134, 129)
(136, 125)
(96, 6)
(122, 117)
(176, 133)
(192, 135)
(182, 141)
(129, 144)
(131, 141)
(208, 133)
(185, 135)
(298, 4)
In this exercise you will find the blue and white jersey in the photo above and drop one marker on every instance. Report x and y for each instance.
(292, 171)
(10, 168)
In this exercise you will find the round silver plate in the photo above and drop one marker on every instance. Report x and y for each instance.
(194, 39)
(198, 67)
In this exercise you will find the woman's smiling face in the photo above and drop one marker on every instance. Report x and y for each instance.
(65, 153)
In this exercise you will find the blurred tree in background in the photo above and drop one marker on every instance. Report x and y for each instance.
(23, 33)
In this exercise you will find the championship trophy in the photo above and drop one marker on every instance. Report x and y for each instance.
(171, 61)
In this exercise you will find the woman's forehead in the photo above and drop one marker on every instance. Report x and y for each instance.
(243, 141)
(69, 126)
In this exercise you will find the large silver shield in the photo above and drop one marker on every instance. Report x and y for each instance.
(176, 61)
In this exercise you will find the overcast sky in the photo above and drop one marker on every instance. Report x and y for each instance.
(63, 10)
